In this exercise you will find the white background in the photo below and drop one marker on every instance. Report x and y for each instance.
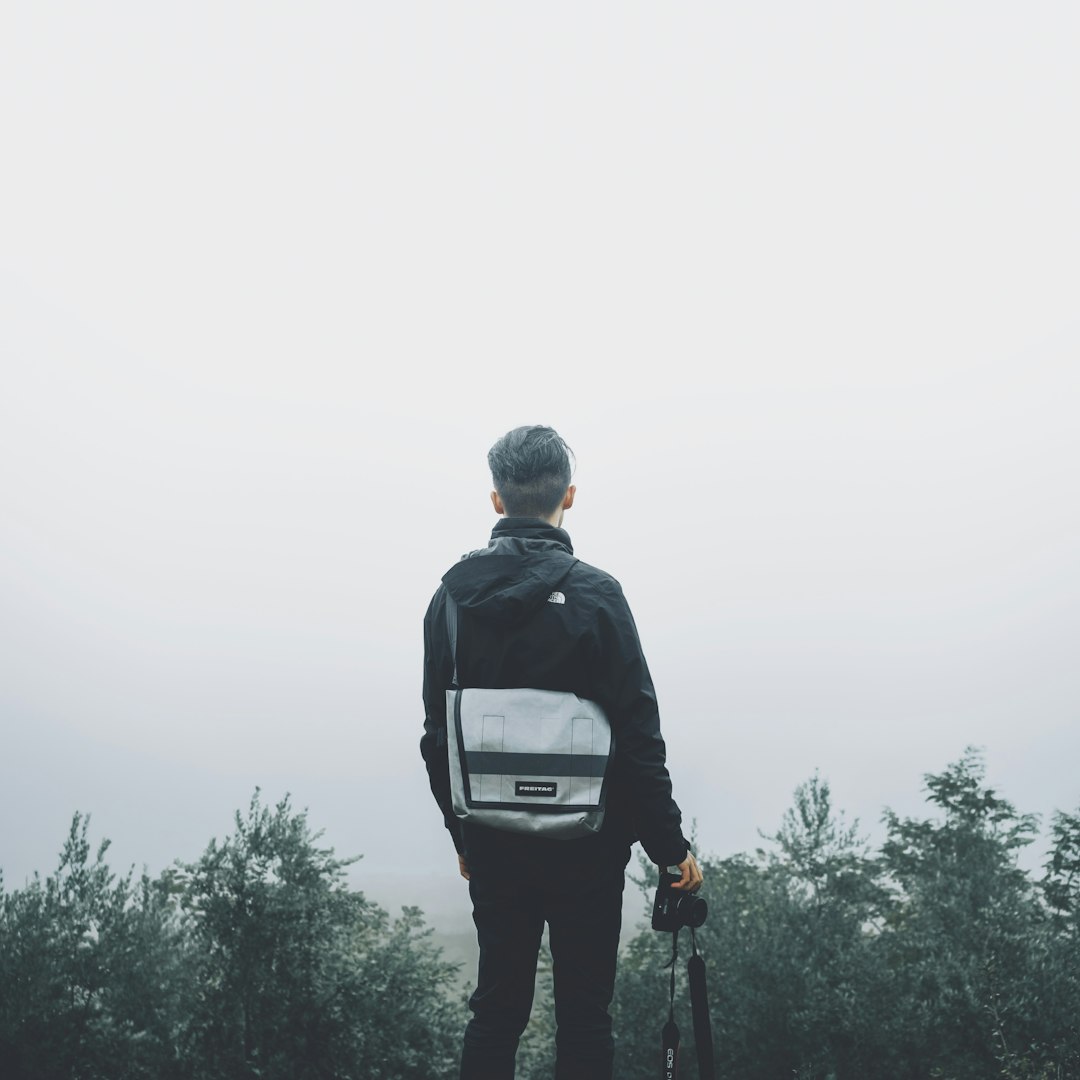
(798, 283)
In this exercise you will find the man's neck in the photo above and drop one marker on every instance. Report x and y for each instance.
(555, 521)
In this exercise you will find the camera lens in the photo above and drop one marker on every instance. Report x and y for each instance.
(692, 910)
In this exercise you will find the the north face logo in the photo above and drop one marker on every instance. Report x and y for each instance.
(556, 598)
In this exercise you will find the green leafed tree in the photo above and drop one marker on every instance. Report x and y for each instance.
(91, 973)
(785, 947)
(298, 976)
(255, 961)
(962, 928)
(1053, 1050)
(936, 956)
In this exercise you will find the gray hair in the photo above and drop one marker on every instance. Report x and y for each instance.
(530, 468)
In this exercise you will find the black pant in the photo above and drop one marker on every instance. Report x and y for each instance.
(516, 885)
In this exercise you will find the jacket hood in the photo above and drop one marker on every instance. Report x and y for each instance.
(514, 574)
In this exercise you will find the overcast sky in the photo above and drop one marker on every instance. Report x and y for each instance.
(797, 282)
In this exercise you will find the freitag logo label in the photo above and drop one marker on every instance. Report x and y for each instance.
(535, 787)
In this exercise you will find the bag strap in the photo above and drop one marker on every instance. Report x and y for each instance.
(451, 626)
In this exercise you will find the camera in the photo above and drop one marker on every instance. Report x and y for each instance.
(674, 909)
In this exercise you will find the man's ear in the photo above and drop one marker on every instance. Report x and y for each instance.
(569, 500)
(497, 503)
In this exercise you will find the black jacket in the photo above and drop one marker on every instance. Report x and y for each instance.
(530, 614)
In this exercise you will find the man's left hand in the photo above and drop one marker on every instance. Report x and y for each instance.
(691, 875)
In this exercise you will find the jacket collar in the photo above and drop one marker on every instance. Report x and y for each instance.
(528, 528)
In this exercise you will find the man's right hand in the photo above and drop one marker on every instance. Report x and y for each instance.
(463, 867)
(691, 875)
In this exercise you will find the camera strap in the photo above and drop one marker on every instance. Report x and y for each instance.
(699, 1009)
(670, 1034)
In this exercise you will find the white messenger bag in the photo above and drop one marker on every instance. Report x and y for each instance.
(526, 761)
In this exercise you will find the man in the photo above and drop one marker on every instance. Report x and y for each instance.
(531, 615)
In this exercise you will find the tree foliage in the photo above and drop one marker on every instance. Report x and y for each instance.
(935, 956)
(254, 961)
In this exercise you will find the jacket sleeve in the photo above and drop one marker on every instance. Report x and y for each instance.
(438, 668)
(627, 694)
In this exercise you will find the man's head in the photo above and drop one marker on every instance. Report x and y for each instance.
(530, 469)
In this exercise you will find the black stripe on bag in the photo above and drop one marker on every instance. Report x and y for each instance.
(499, 763)
(537, 807)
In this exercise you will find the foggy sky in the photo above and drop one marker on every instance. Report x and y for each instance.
(797, 285)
